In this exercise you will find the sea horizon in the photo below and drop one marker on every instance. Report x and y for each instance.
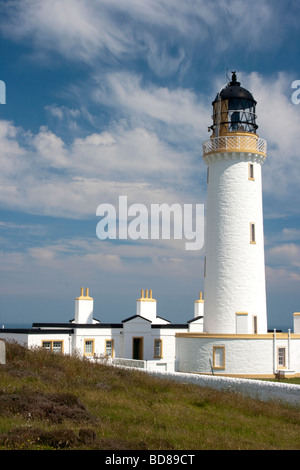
(26, 325)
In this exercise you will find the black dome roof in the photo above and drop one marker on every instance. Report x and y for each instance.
(234, 91)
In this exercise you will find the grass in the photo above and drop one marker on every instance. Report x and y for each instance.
(49, 401)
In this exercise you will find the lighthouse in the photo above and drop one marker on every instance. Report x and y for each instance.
(234, 264)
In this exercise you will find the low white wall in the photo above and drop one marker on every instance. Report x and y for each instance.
(138, 364)
(2, 353)
(262, 390)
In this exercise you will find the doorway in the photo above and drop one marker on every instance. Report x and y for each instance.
(137, 348)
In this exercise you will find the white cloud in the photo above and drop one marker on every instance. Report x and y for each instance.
(49, 177)
(88, 29)
(279, 122)
(50, 148)
(178, 116)
(286, 254)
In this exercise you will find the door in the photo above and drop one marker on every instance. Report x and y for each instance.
(137, 348)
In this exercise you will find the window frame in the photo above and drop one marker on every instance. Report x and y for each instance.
(51, 342)
(283, 356)
(252, 233)
(251, 172)
(140, 347)
(160, 355)
(215, 366)
(111, 347)
(254, 324)
(93, 347)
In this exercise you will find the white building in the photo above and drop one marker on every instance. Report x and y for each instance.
(228, 334)
(142, 340)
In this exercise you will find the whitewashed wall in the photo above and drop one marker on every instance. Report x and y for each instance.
(35, 340)
(242, 356)
(235, 268)
(262, 390)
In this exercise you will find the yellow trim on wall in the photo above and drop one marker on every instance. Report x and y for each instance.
(238, 336)
(237, 150)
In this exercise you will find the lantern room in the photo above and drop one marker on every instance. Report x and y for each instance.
(233, 110)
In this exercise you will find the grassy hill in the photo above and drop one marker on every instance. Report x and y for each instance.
(49, 401)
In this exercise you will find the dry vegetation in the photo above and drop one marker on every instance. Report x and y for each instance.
(49, 401)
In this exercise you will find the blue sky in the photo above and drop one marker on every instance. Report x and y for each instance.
(107, 98)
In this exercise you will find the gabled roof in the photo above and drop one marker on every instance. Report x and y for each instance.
(194, 319)
(164, 319)
(94, 319)
(135, 316)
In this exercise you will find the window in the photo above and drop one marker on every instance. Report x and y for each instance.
(251, 171)
(252, 233)
(57, 346)
(109, 347)
(255, 324)
(53, 346)
(46, 345)
(219, 357)
(158, 348)
(281, 357)
(88, 347)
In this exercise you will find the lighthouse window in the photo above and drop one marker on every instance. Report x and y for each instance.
(251, 171)
(252, 233)
(255, 324)
(235, 119)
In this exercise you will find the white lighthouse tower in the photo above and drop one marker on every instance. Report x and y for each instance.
(234, 283)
